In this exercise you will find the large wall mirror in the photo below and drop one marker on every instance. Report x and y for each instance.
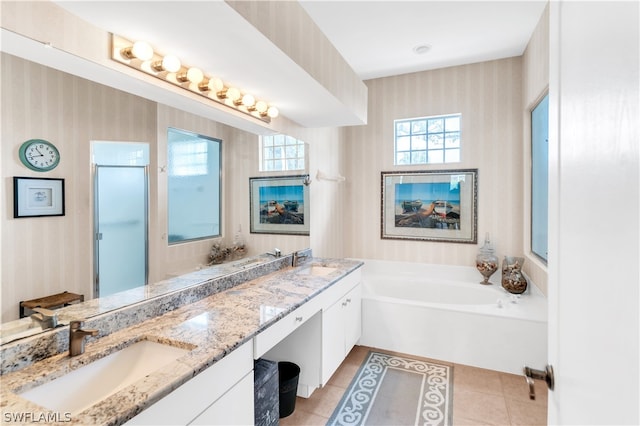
(540, 178)
(193, 188)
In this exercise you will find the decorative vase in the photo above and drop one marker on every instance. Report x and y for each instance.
(218, 254)
(486, 260)
(239, 248)
(512, 278)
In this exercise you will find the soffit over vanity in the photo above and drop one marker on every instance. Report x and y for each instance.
(214, 36)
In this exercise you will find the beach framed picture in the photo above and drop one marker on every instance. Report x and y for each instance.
(439, 205)
(279, 205)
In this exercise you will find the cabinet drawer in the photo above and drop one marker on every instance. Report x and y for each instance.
(270, 337)
(334, 293)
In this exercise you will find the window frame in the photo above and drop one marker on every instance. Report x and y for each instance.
(418, 137)
(282, 158)
(203, 194)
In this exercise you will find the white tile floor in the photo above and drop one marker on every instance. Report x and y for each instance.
(480, 397)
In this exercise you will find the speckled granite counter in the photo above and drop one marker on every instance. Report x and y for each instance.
(213, 326)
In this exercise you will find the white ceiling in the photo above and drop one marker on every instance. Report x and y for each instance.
(375, 37)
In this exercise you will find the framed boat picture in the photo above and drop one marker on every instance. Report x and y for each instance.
(279, 205)
(439, 205)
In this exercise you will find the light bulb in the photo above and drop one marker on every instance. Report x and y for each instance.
(248, 100)
(233, 94)
(140, 49)
(261, 107)
(194, 75)
(169, 63)
(273, 112)
(215, 85)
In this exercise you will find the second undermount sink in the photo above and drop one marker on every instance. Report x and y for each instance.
(318, 270)
(94, 382)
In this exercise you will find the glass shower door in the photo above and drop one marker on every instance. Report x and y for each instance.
(121, 228)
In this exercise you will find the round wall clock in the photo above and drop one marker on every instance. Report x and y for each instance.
(39, 155)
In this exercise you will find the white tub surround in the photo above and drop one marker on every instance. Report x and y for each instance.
(442, 312)
(212, 328)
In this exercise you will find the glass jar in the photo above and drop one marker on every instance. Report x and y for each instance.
(239, 248)
(513, 280)
(486, 261)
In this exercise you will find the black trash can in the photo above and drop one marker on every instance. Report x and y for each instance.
(265, 393)
(288, 374)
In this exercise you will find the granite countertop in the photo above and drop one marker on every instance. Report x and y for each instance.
(211, 328)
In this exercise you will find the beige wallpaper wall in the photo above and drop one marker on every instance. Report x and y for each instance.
(489, 97)
(495, 99)
(42, 256)
(46, 255)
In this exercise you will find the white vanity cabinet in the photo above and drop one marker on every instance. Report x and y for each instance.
(341, 326)
(220, 395)
(330, 325)
(317, 336)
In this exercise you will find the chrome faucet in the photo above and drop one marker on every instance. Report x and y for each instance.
(46, 318)
(276, 252)
(295, 260)
(76, 337)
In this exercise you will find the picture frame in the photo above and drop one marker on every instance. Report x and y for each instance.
(35, 197)
(439, 205)
(279, 205)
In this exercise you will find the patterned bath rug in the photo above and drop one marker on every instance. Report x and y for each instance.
(394, 390)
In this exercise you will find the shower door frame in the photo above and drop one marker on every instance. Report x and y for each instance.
(96, 227)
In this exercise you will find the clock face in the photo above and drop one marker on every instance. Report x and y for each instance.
(39, 155)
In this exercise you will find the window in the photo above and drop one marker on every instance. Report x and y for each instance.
(427, 140)
(281, 153)
(540, 178)
(188, 158)
(193, 186)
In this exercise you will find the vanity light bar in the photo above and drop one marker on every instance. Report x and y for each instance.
(141, 56)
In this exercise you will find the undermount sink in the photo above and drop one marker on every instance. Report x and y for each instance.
(318, 270)
(90, 384)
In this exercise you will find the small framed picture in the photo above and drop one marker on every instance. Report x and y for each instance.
(34, 197)
(430, 205)
(279, 205)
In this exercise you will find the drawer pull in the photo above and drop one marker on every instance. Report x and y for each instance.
(298, 319)
(348, 300)
(344, 303)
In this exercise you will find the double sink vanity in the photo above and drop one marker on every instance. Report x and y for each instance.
(187, 356)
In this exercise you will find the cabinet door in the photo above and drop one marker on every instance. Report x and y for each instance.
(352, 318)
(332, 339)
(234, 407)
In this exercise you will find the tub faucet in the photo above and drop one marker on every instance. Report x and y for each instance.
(76, 337)
(295, 260)
(46, 318)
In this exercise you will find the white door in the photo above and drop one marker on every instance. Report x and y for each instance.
(594, 279)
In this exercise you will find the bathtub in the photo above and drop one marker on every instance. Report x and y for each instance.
(443, 312)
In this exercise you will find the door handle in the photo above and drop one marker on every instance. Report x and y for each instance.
(530, 374)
